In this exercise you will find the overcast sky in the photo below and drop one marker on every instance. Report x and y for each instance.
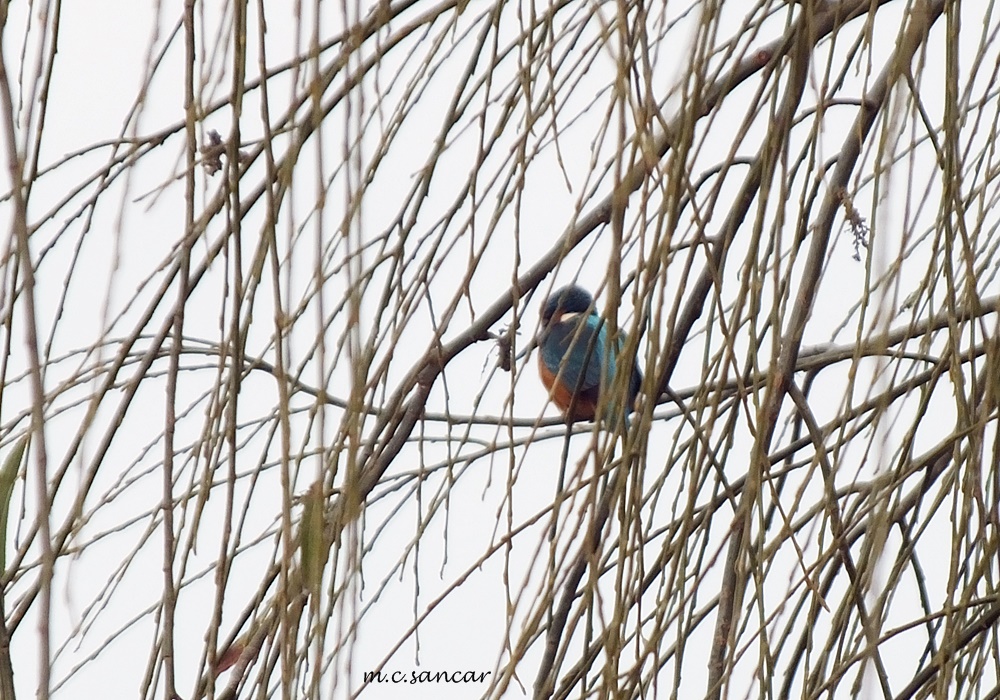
(428, 208)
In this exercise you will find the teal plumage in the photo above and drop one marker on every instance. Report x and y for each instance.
(575, 349)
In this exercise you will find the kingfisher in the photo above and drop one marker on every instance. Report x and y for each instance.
(575, 349)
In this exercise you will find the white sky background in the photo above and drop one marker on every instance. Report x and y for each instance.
(434, 533)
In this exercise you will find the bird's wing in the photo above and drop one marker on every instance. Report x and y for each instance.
(575, 351)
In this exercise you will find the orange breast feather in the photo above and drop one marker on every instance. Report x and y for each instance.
(585, 407)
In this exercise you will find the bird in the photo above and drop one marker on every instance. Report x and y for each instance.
(575, 348)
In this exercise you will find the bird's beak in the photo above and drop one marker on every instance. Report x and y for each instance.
(533, 343)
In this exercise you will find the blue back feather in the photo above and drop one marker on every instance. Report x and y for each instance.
(577, 349)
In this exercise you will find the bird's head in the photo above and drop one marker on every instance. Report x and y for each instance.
(566, 301)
